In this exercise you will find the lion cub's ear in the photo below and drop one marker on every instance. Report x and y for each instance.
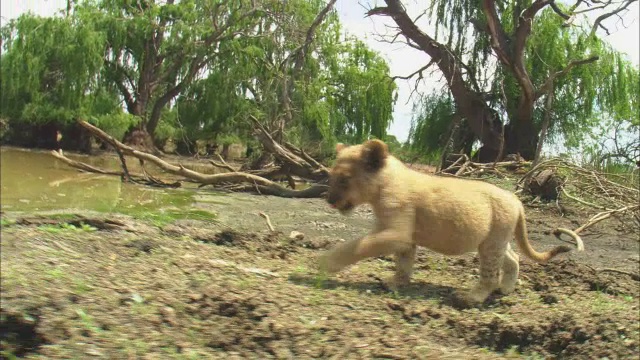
(375, 153)
(339, 147)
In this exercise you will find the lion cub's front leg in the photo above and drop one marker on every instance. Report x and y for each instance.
(379, 243)
(404, 267)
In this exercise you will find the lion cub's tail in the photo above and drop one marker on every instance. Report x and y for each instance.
(523, 242)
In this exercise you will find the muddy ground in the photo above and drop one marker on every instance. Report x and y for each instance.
(229, 289)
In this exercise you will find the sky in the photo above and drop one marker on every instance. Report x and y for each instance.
(403, 60)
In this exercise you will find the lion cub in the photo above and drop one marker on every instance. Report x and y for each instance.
(448, 215)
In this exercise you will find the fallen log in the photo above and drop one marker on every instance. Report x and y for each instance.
(235, 180)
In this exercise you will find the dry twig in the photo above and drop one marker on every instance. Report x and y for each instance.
(266, 217)
(635, 277)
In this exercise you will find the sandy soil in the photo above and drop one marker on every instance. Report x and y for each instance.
(229, 289)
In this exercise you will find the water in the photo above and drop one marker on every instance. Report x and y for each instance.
(36, 181)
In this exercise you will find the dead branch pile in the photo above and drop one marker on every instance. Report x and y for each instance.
(290, 161)
(463, 166)
(611, 194)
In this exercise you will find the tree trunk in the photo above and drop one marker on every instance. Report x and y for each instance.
(548, 104)
(225, 151)
(471, 105)
(521, 136)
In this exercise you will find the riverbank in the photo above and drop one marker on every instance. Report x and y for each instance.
(200, 276)
(227, 288)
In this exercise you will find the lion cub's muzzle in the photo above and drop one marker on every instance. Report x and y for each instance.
(337, 203)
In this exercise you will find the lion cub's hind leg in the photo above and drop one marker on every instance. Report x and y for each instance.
(510, 271)
(491, 254)
(404, 268)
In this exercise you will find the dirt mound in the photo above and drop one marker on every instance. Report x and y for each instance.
(274, 243)
(19, 335)
(565, 335)
(241, 323)
(578, 277)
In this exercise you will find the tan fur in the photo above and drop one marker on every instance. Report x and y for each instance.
(448, 215)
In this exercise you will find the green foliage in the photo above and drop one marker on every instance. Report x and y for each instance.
(362, 95)
(215, 105)
(431, 122)
(48, 68)
(115, 124)
(197, 69)
(591, 92)
(343, 90)
(582, 98)
(67, 227)
(154, 52)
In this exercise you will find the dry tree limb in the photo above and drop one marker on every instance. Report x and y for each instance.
(452, 166)
(463, 168)
(604, 215)
(266, 217)
(635, 277)
(126, 176)
(583, 202)
(82, 166)
(265, 185)
(574, 234)
(123, 163)
(222, 164)
(297, 163)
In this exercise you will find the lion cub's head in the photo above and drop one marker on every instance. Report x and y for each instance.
(352, 178)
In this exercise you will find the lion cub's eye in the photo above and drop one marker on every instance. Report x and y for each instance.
(343, 181)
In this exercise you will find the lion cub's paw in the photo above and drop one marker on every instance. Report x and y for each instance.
(467, 299)
(394, 283)
(326, 264)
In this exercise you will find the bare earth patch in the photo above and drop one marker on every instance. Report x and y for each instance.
(195, 289)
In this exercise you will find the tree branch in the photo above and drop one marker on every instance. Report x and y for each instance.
(196, 64)
(419, 71)
(558, 11)
(471, 104)
(598, 22)
(521, 34)
(119, 75)
(301, 52)
(251, 182)
(548, 84)
(499, 41)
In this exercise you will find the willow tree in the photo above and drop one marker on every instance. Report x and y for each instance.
(489, 54)
(214, 108)
(50, 73)
(362, 95)
(300, 75)
(257, 74)
(153, 50)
